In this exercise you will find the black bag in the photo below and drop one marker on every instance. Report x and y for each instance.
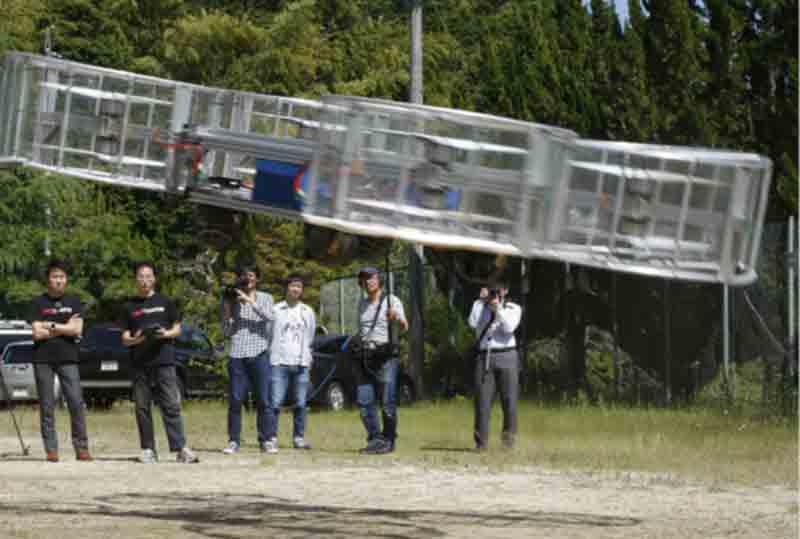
(359, 349)
(474, 351)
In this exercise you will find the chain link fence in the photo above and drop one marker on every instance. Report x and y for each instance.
(589, 334)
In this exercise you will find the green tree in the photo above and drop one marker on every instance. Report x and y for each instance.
(19, 25)
(673, 44)
(87, 31)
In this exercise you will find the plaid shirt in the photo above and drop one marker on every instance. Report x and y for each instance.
(250, 326)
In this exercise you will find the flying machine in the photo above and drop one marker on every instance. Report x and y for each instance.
(354, 168)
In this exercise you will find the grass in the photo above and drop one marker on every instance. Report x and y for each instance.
(678, 445)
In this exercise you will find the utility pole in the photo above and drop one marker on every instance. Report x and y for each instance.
(416, 52)
(416, 348)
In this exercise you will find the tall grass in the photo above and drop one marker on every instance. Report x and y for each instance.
(699, 444)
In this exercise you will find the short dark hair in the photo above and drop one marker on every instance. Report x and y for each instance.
(248, 268)
(295, 278)
(56, 264)
(143, 264)
(500, 283)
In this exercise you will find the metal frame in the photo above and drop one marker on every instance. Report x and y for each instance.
(430, 175)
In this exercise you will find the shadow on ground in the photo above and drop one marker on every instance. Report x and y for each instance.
(221, 516)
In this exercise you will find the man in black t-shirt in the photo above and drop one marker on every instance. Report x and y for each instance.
(150, 324)
(57, 322)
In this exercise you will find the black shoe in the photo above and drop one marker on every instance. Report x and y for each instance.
(387, 447)
(376, 446)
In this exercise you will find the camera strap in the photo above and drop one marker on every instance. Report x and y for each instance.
(375, 319)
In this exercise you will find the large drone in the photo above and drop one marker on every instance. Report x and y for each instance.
(440, 177)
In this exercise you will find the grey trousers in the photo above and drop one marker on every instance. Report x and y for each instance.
(159, 383)
(503, 375)
(71, 389)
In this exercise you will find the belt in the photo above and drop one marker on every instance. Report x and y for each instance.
(497, 350)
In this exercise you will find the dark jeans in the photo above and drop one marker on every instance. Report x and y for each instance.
(159, 383)
(282, 377)
(71, 389)
(503, 374)
(245, 373)
(378, 380)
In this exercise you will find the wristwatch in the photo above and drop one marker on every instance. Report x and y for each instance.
(52, 326)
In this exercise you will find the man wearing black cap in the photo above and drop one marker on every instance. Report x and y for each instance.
(494, 320)
(376, 369)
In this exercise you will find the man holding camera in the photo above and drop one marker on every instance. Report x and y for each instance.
(377, 367)
(494, 320)
(247, 321)
(290, 356)
(150, 323)
(57, 322)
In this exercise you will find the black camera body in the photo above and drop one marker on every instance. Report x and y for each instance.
(240, 284)
(151, 332)
(494, 293)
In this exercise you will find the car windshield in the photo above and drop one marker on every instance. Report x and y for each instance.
(193, 338)
(109, 337)
(328, 344)
(19, 354)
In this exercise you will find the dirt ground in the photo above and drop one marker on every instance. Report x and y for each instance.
(314, 494)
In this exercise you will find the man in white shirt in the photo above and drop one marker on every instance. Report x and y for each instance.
(494, 320)
(293, 330)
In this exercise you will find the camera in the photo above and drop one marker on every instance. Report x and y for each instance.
(150, 332)
(240, 284)
(494, 293)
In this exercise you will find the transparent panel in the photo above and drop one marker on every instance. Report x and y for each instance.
(436, 176)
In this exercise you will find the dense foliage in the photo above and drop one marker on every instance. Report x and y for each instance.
(719, 73)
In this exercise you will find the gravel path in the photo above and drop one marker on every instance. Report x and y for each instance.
(305, 495)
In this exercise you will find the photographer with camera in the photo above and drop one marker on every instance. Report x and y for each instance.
(150, 323)
(247, 321)
(376, 362)
(494, 320)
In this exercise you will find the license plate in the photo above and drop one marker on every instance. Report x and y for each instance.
(20, 393)
(109, 366)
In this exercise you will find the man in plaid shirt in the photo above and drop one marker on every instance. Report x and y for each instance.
(247, 321)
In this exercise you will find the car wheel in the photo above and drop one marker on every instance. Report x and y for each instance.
(335, 396)
(405, 392)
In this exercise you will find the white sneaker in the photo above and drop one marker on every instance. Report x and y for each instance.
(148, 457)
(186, 456)
(232, 448)
(300, 443)
(270, 446)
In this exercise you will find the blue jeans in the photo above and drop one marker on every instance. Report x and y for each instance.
(373, 382)
(245, 373)
(282, 377)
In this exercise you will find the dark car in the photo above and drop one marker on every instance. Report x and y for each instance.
(105, 365)
(333, 380)
(105, 369)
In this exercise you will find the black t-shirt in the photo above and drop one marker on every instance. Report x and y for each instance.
(142, 313)
(61, 349)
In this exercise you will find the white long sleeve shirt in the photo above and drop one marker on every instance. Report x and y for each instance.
(501, 333)
(292, 334)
